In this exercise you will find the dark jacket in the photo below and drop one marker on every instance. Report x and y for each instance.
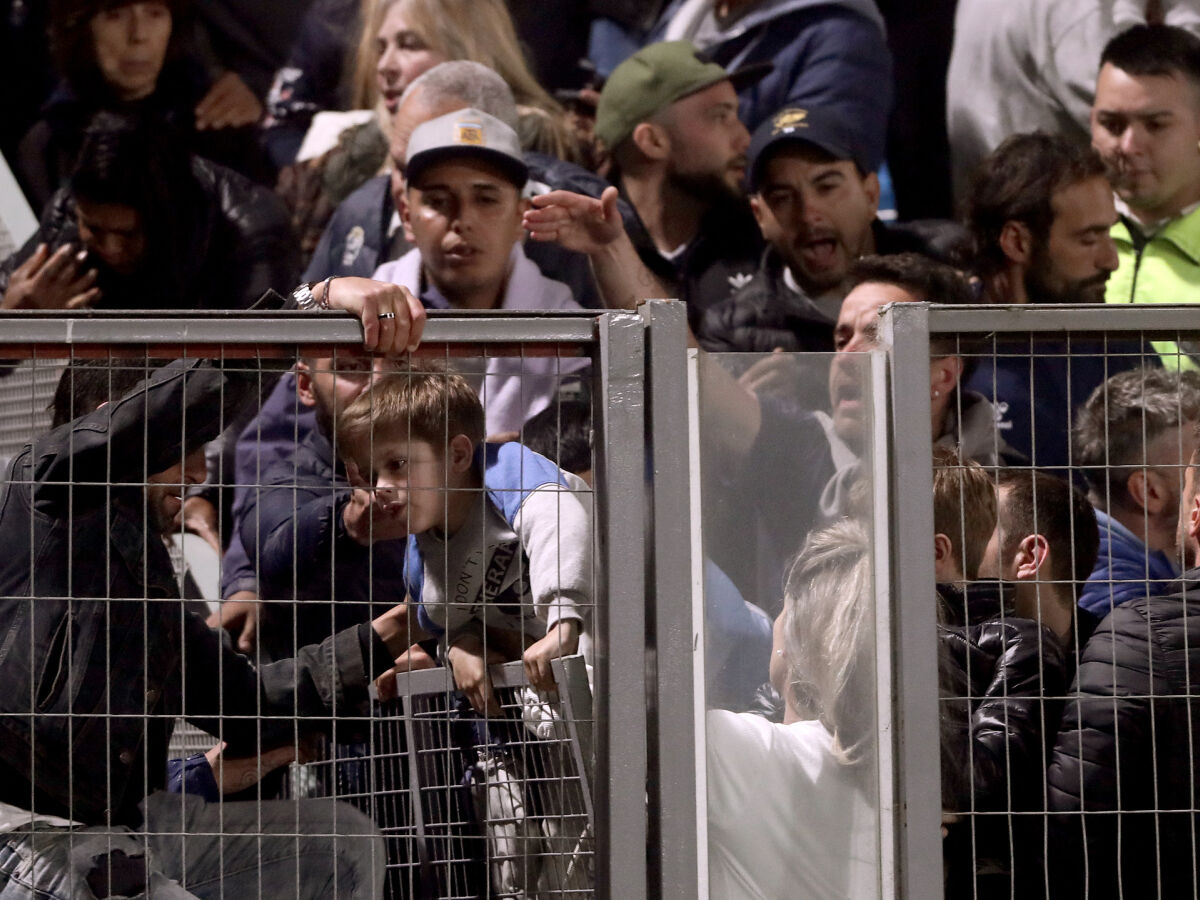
(48, 151)
(239, 245)
(827, 54)
(1036, 386)
(1001, 680)
(314, 78)
(96, 668)
(766, 313)
(293, 527)
(1128, 742)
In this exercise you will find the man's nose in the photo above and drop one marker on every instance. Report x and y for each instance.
(1109, 260)
(741, 141)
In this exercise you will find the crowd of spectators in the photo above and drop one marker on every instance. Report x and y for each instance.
(786, 168)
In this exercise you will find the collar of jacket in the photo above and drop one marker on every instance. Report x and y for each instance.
(1182, 233)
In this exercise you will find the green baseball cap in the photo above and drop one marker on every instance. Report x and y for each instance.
(654, 78)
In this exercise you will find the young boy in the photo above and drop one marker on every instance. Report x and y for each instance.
(499, 561)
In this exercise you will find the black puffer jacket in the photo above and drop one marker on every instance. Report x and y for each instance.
(237, 241)
(766, 313)
(1000, 680)
(1130, 741)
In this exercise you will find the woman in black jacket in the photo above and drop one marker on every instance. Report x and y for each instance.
(139, 57)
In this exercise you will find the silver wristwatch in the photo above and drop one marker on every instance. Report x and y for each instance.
(303, 295)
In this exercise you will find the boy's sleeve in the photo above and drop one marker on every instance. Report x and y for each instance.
(554, 524)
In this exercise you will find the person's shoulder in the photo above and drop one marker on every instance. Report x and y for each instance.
(251, 206)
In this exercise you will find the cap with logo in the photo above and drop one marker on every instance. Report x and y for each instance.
(793, 125)
(655, 77)
(466, 133)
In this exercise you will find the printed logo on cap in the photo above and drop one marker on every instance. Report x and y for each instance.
(789, 120)
(469, 133)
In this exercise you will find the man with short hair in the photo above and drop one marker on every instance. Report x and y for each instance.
(815, 199)
(670, 122)
(1133, 437)
(1039, 212)
(1045, 545)
(1122, 781)
(365, 230)
(461, 202)
(1146, 126)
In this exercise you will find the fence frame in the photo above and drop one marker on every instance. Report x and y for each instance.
(628, 351)
(906, 329)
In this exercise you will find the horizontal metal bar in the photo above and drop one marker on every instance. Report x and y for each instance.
(1163, 318)
(241, 327)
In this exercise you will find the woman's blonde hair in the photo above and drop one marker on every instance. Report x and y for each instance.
(828, 630)
(478, 30)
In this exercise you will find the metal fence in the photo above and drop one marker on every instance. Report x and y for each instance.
(543, 797)
(631, 784)
(1076, 774)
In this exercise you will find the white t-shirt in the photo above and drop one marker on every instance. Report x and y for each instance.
(785, 818)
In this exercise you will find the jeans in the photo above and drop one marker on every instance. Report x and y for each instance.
(193, 849)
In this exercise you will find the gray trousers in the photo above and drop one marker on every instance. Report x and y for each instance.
(192, 849)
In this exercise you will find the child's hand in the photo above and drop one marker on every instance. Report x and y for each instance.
(411, 660)
(365, 520)
(561, 640)
(469, 666)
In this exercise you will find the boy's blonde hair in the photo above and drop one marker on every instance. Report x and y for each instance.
(964, 507)
(425, 402)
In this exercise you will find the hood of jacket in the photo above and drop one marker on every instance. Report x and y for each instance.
(765, 12)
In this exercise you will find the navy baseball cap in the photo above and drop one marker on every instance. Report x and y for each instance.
(820, 128)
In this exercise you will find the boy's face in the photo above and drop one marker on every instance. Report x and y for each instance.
(465, 216)
(413, 479)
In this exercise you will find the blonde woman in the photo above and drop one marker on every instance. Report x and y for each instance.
(408, 37)
(791, 809)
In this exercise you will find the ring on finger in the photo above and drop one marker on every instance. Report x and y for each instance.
(386, 315)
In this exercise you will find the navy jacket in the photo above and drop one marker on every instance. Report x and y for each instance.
(1061, 375)
(827, 54)
(309, 568)
(1126, 569)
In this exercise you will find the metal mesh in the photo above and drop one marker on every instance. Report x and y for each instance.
(467, 807)
(471, 807)
(1068, 662)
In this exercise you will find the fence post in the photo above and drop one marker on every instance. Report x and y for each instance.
(621, 741)
(672, 723)
(905, 331)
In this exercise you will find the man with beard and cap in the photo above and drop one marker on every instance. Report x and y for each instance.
(815, 199)
(1040, 211)
(669, 120)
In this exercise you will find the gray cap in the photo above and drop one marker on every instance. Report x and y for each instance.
(466, 132)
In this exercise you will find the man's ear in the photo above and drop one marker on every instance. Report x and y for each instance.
(1194, 519)
(460, 454)
(1016, 242)
(1032, 554)
(944, 373)
(759, 207)
(1149, 490)
(304, 384)
(651, 140)
(871, 187)
(946, 567)
(404, 208)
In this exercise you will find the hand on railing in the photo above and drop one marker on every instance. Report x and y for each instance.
(393, 319)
